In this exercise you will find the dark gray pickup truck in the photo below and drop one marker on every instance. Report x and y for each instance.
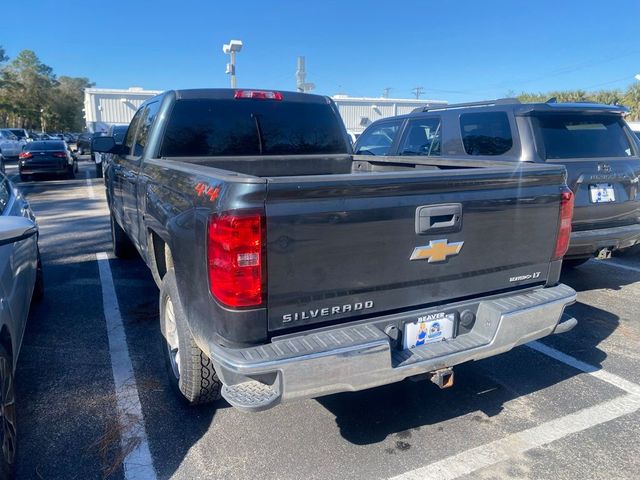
(288, 268)
(600, 152)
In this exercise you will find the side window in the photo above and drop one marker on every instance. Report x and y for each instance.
(487, 133)
(131, 132)
(5, 193)
(145, 125)
(377, 140)
(422, 137)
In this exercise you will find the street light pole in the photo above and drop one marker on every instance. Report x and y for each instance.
(230, 49)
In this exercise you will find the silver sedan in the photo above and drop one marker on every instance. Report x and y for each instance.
(20, 283)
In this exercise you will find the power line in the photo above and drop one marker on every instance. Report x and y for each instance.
(417, 91)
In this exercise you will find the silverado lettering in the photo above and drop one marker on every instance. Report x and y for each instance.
(326, 311)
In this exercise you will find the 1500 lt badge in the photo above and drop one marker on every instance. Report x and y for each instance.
(327, 311)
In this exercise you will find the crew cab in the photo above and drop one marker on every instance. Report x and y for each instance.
(289, 268)
(598, 149)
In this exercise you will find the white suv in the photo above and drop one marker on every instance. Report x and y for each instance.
(10, 145)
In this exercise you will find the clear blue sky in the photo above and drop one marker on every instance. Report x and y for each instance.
(457, 50)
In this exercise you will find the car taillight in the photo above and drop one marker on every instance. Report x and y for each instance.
(258, 94)
(564, 225)
(235, 256)
(60, 154)
(25, 155)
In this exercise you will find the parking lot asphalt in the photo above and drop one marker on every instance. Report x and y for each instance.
(523, 414)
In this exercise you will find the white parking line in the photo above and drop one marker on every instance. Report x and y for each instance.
(92, 193)
(616, 264)
(502, 450)
(603, 375)
(137, 464)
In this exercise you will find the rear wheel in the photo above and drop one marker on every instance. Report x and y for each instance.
(24, 178)
(70, 173)
(574, 262)
(8, 437)
(190, 371)
(122, 246)
(99, 170)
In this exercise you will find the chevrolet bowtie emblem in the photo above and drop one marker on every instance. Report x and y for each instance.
(436, 251)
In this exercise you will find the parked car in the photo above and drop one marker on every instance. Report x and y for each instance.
(19, 262)
(10, 145)
(118, 133)
(22, 135)
(289, 269)
(84, 142)
(47, 157)
(599, 151)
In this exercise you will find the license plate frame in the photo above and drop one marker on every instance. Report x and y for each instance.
(602, 193)
(423, 332)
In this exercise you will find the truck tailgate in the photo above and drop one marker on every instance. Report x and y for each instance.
(339, 247)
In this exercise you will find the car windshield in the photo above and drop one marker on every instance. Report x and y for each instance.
(247, 127)
(569, 135)
(44, 146)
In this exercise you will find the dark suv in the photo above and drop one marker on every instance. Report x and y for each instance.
(599, 150)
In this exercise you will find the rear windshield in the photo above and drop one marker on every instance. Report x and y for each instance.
(582, 136)
(37, 146)
(251, 127)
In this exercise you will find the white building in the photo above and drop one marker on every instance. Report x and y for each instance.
(108, 106)
(358, 112)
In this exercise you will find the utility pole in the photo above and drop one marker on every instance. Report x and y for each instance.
(301, 77)
(418, 91)
(385, 92)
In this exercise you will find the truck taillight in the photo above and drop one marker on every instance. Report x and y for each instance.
(258, 94)
(564, 227)
(235, 255)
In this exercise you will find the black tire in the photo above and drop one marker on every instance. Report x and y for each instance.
(122, 246)
(38, 289)
(76, 169)
(24, 178)
(628, 252)
(70, 173)
(190, 371)
(574, 262)
(8, 438)
(99, 170)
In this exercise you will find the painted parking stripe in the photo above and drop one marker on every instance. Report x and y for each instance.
(92, 193)
(600, 374)
(504, 449)
(501, 450)
(616, 264)
(137, 464)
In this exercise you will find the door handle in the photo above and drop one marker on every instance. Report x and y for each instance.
(439, 218)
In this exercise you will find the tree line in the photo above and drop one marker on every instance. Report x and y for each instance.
(629, 97)
(33, 97)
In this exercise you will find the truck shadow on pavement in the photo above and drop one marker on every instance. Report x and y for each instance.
(481, 390)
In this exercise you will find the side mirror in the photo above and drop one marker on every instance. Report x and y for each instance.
(14, 229)
(103, 145)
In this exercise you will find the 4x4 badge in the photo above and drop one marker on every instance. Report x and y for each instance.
(436, 251)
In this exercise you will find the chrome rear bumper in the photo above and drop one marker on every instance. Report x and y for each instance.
(361, 356)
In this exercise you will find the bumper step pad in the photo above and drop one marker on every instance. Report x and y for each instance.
(252, 396)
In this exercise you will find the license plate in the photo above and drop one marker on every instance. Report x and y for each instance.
(422, 332)
(602, 193)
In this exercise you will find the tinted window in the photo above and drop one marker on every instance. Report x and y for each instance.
(486, 133)
(18, 133)
(422, 137)
(252, 127)
(581, 136)
(143, 132)
(119, 133)
(49, 145)
(133, 126)
(377, 139)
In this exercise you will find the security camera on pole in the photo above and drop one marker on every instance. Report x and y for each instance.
(231, 48)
